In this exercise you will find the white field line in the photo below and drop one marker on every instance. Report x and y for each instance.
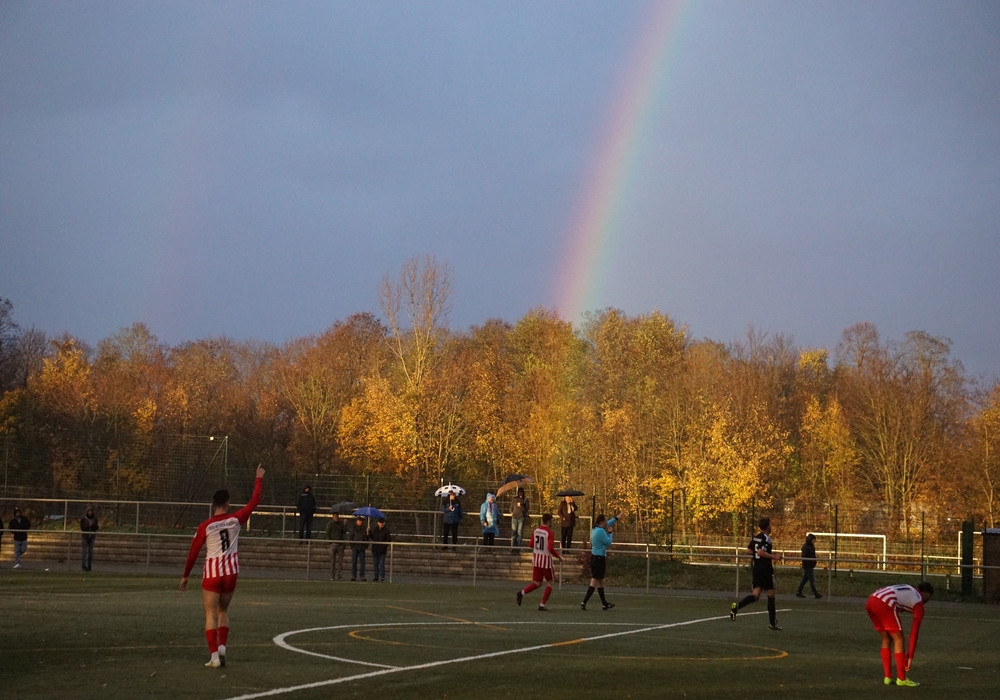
(386, 670)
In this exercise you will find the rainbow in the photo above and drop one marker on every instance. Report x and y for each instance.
(596, 224)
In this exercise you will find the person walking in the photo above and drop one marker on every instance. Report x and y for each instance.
(601, 537)
(19, 526)
(220, 535)
(763, 574)
(489, 517)
(452, 510)
(567, 521)
(359, 545)
(306, 505)
(336, 532)
(380, 538)
(883, 608)
(88, 529)
(543, 551)
(519, 511)
(808, 567)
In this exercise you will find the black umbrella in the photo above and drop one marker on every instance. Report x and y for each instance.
(344, 507)
(570, 492)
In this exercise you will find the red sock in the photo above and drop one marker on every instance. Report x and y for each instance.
(223, 636)
(886, 662)
(546, 593)
(529, 588)
(212, 637)
(900, 666)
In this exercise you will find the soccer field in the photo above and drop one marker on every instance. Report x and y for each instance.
(99, 636)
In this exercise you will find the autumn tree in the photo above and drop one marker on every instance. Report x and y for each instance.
(547, 358)
(398, 415)
(904, 407)
(984, 458)
(320, 377)
(633, 366)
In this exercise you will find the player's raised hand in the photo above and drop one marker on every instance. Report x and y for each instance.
(260, 472)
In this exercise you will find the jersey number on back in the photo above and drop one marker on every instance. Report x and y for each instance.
(224, 539)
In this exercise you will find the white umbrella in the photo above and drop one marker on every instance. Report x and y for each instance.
(450, 488)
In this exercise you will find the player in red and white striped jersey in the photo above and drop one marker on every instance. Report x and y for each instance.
(220, 535)
(542, 552)
(883, 608)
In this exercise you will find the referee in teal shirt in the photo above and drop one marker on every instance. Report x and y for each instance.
(600, 539)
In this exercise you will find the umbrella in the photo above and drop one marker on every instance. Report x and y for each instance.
(369, 512)
(450, 488)
(570, 492)
(344, 507)
(512, 482)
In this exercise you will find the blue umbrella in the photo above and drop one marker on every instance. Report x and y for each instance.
(369, 512)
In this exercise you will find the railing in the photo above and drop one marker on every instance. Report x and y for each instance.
(150, 553)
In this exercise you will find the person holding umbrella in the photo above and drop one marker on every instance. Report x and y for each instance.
(359, 545)
(567, 520)
(452, 510)
(519, 511)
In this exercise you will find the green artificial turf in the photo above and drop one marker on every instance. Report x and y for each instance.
(100, 636)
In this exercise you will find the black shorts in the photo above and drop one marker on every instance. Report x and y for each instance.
(598, 566)
(764, 578)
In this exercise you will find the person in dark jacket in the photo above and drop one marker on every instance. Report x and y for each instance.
(307, 509)
(567, 521)
(380, 538)
(359, 543)
(19, 526)
(452, 510)
(88, 526)
(336, 532)
(808, 566)
(519, 510)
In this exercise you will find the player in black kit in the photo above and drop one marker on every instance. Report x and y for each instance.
(763, 573)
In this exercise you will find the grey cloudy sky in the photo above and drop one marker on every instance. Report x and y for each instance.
(254, 169)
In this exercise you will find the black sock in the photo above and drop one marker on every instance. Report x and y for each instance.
(746, 601)
(600, 592)
(590, 592)
(772, 613)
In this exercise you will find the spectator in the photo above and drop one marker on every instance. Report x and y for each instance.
(452, 510)
(336, 532)
(88, 526)
(519, 514)
(380, 538)
(359, 545)
(489, 516)
(883, 608)
(307, 509)
(567, 519)
(808, 566)
(19, 526)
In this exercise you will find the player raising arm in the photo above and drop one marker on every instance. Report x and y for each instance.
(883, 608)
(220, 535)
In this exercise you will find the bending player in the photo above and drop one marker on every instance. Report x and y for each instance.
(220, 534)
(542, 552)
(883, 608)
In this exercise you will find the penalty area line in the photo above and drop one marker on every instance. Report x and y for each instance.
(477, 657)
